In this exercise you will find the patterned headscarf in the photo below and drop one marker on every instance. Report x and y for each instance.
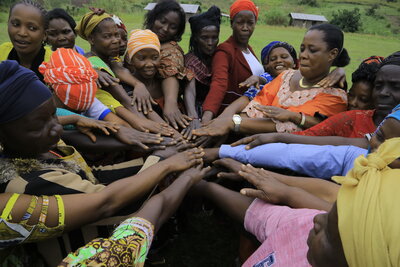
(88, 22)
(120, 24)
(72, 77)
(367, 206)
(241, 5)
(21, 91)
(140, 39)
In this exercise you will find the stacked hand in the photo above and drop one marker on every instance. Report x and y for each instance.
(142, 99)
(86, 125)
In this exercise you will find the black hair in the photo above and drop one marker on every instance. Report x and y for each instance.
(59, 13)
(393, 59)
(365, 72)
(34, 4)
(334, 38)
(163, 7)
(210, 18)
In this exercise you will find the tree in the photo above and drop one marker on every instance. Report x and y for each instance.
(347, 20)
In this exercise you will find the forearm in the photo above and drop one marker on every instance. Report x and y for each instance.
(111, 117)
(236, 107)
(170, 88)
(297, 198)
(256, 125)
(207, 116)
(69, 119)
(128, 116)
(161, 206)
(309, 121)
(322, 140)
(119, 93)
(190, 99)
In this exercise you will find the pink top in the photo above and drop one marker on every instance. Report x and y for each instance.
(283, 232)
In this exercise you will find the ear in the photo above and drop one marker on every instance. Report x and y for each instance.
(333, 54)
(91, 40)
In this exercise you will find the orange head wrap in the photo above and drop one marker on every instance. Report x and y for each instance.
(72, 77)
(240, 5)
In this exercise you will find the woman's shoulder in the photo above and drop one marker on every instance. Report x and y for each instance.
(5, 49)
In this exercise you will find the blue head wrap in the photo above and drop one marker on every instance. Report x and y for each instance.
(267, 49)
(272, 45)
(21, 91)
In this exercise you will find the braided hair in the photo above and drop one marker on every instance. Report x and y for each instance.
(32, 3)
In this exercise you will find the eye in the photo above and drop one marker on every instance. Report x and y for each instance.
(32, 28)
(67, 31)
(302, 48)
(272, 58)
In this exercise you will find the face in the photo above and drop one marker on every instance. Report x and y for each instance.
(123, 44)
(243, 25)
(324, 244)
(105, 42)
(60, 34)
(315, 57)
(26, 29)
(386, 92)
(278, 61)
(145, 62)
(360, 96)
(389, 129)
(166, 27)
(32, 134)
(208, 39)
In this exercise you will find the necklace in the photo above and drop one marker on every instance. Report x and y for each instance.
(302, 85)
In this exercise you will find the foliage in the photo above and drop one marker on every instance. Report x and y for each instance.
(275, 17)
(347, 20)
(312, 3)
(372, 11)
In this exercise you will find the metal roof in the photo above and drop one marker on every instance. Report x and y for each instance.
(308, 17)
(191, 9)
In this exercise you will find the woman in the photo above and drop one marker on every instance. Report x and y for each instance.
(26, 30)
(203, 42)
(167, 19)
(60, 30)
(234, 60)
(294, 100)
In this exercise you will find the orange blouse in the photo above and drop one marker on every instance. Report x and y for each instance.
(326, 101)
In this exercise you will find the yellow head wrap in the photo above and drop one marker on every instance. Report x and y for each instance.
(368, 211)
(88, 22)
(140, 39)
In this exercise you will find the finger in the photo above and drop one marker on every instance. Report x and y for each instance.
(243, 141)
(173, 123)
(98, 84)
(149, 106)
(140, 144)
(133, 102)
(91, 136)
(103, 81)
(144, 107)
(182, 122)
(185, 132)
(104, 130)
(229, 175)
(253, 193)
(139, 104)
(253, 144)
(342, 82)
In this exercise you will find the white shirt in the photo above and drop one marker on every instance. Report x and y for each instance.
(255, 66)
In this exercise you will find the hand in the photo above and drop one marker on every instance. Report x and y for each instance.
(195, 174)
(216, 127)
(253, 80)
(268, 189)
(174, 117)
(186, 159)
(173, 147)
(85, 126)
(203, 141)
(336, 77)
(155, 127)
(131, 136)
(257, 140)
(193, 125)
(233, 167)
(142, 99)
(105, 79)
(277, 113)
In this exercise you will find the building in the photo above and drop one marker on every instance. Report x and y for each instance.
(190, 10)
(305, 20)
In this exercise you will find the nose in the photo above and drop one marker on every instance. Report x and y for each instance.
(386, 90)
(352, 102)
(22, 31)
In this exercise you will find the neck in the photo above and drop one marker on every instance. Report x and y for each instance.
(242, 46)
(26, 60)
(378, 117)
(314, 80)
(105, 58)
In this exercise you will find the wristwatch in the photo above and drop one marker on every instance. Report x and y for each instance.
(236, 121)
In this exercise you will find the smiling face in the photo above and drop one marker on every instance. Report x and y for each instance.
(324, 245)
(166, 27)
(243, 25)
(278, 61)
(315, 56)
(360, 96)
(60, 34)
(386, 92)
(32, 134)
(105, 39)
(208, 39)
(145, 63)
(26, 29)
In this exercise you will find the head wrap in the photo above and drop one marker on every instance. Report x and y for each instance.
(393, 59)
(210, 18)
(373, 59)
(140, 39)
(119, 23)
(367, 206)
(21, 91)
(395, 114)
(272, 45)
(240, 5)
(88, 22)
(72, 77)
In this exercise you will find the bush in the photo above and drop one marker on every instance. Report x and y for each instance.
(312, 3)
(275, 17)
(347, 20)
(372, 10)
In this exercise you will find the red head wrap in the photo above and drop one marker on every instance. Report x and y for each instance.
(240, 5)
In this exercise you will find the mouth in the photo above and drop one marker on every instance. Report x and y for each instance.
(21, 43)
(280, 67)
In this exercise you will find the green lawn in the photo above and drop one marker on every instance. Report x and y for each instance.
(359, 46)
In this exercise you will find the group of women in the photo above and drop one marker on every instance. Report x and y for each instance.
(150, 111)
